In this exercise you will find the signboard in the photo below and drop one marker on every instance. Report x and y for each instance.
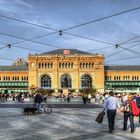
(66, 52)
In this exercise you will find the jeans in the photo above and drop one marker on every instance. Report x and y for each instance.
(131, 118)
(38, 106)
(111, 119)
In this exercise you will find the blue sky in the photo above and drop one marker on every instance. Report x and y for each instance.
(62, 14)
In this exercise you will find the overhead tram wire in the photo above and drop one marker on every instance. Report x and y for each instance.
(134, 42)
(77, 26)
(34, 38)
(26, 22)
(100, 41)
(129, 40)
(129, 50)
(9, 46)
(121, 51)
(103, 18)
(123, 43)
(30, 40)
(124, 49)
(73, 26)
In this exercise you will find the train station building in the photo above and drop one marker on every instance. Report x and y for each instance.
(68, 68)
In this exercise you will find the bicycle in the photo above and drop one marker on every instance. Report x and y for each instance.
(46, 109)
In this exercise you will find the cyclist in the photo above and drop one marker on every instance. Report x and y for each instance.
(38, 100)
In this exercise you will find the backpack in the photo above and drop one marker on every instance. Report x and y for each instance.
(127, 108)
(135, 109)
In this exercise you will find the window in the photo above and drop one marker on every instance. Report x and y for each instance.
(72, 65)
(59, 65)
(69, 65)
(66, 81)
(86, 81)
(39, 65)
(46, 81)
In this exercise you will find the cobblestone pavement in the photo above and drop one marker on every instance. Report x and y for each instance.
(64, 104)
(62, 124)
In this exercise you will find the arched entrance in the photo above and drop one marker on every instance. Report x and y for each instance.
(86, 81)
(45, 81)
(65, 81)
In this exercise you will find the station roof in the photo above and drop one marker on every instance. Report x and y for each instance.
(123, 67)
(14, 68)
(66, 52)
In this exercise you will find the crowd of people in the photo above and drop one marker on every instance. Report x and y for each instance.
(110, 101)
(125, 104)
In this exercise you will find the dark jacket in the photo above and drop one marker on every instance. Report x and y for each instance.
(138, 101)
(38, 98)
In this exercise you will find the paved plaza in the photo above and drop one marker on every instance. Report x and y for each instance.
(62, 124)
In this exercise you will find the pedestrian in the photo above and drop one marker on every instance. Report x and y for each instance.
(89, 97)
(97, 97)
(128, 113)
(68, 97)
(138, 104)
(111, 104)
(38, 100)
(85, 97)
(104, 97)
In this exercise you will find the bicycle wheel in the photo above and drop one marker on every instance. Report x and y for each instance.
(47, 109)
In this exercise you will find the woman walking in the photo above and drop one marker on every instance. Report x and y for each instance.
(128, 113)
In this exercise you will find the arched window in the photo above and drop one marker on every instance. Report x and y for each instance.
(65, 65)
(71, 65)
(51, 65)
(83, 65)
(39, 66)
(89, 65)
(48, 65)
(59, 65)
(62, 65)
(65, 81)
(46, 81)
(86, 81)
(45, 65)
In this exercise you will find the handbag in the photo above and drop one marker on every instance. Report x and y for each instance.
(99, 118)
(135, 109)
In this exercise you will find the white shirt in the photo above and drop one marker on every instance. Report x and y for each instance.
(111, 103)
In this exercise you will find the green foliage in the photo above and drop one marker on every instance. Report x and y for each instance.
(60, 90)
(72, 90)
(90, 90)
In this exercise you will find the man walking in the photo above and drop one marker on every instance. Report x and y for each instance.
(111, 104)
(38, 100)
